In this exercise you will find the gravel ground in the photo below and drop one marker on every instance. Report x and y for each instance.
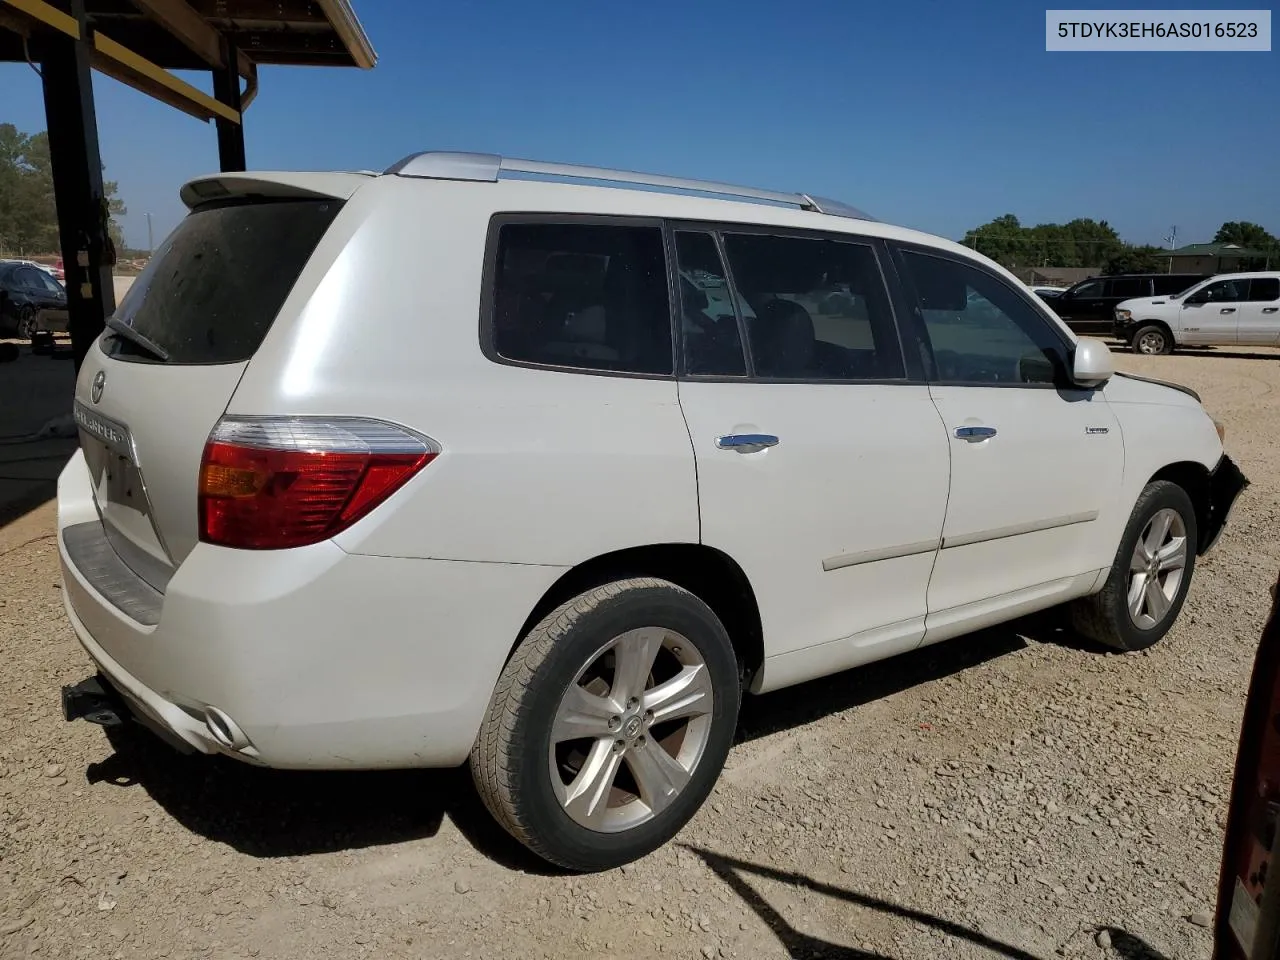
(1011, 794)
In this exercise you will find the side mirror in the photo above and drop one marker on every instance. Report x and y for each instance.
(1091, 366)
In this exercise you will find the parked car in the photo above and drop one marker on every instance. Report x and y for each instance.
(556, 522)
(1247, 926)
(1230, 310)
(1088, 307)
(25, 293)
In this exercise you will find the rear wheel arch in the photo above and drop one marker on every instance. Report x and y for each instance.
(709, 574)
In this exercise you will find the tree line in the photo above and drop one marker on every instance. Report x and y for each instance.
(28, 217)
(1095, 243)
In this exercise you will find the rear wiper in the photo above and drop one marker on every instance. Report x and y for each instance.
(122, 329)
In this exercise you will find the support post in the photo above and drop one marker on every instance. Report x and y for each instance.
(226, 88)
(87, 253)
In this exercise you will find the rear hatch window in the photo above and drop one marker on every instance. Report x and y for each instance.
(213, 288)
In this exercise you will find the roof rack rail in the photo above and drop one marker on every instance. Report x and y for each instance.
(489, 167)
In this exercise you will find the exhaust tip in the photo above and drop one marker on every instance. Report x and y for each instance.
(224, 730)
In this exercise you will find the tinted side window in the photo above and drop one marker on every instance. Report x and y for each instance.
(1224, 291)
(1129, 287)
(709, 324)
(582, 295)
(1172, 283)
(815, 309)
(1093, 288)
(1264, 288)
(980, 330)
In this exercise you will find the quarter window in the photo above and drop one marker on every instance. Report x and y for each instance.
(581, 295)
(709, 324)
(815, 309)
(980, 330)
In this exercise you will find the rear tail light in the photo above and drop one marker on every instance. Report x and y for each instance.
(269, 483)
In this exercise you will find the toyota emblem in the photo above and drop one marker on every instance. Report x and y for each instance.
(99, 381)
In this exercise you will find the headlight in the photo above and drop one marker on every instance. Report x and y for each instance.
(1124, 316)
(1222, 431)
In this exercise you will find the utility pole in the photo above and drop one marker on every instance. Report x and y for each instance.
(1172, 240)
(151, 242)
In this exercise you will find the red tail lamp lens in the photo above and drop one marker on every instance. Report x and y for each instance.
(268, 484)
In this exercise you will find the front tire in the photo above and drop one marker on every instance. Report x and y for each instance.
(1148, 582)
(1153, 340)
(609, 724)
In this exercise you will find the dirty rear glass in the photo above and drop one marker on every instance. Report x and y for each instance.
(213, 288)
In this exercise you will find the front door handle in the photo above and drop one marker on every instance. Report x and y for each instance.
(975, 434)
(1270, 309)
(1227, 310)
(746, 442)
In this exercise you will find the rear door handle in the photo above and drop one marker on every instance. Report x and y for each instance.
(746, 442)
(975, 434)
(1270, 309)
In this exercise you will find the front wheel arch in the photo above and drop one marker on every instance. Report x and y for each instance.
(1194, 478)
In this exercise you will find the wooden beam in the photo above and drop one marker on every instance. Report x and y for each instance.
(126, 66)
(47, 14)
(181, 20)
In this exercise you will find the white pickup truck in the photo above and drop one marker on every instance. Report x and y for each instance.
(1227, 310)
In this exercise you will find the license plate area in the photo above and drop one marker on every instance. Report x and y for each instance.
(108, 453)
(121, 494)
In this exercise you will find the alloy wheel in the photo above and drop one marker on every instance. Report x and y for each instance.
(630, 729)
(1151, 343)
(1156, 568)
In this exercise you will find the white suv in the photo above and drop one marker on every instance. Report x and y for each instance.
(1236, 309)
(475, 460)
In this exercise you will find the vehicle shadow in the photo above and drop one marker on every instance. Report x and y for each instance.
(734, 872)
(807, 702)
(283, 813)
(1226, 354)
(278, 813)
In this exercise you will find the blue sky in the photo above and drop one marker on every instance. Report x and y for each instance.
(938, 116)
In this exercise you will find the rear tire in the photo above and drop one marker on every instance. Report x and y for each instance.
(26, 327)
(1153, 340)
(1149, 578)
(609, 724)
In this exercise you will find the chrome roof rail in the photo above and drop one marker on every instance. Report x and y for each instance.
(489, 167)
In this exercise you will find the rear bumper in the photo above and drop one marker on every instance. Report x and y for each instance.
(1226, 483)
(307, 658)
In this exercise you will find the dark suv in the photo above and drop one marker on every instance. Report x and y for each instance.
(26, 290)
(1088, 307)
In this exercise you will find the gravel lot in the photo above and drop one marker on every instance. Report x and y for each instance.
(1011, 794)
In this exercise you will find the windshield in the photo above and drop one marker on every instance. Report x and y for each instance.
(213, 288)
